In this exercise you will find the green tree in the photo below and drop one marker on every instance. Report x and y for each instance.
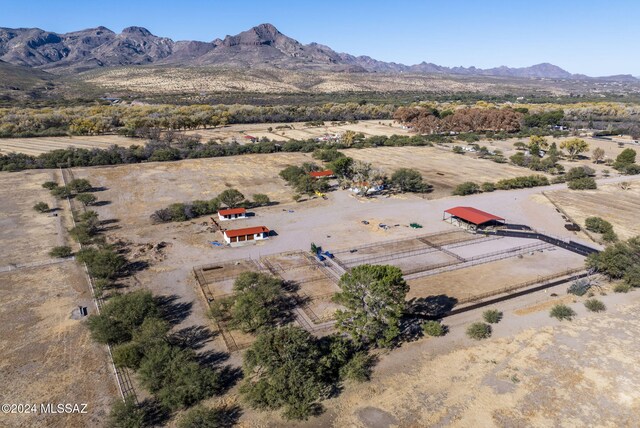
(126, 414)
(86, 199)
(41, 207)
(79, 185)
(281, 371)
(260, 199)
(49, 185)
(409, 180)
(574, 147)
(103, 262)
(174, 376)
(121, 315)
(626, 157)
(374, 297)
(257, 302)
(342, 167)
(231, 198)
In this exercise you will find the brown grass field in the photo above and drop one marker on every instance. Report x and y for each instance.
(27, 235)
(45, 355)
(440, 167)
(37, 145)
(297, 130)
(612, 203)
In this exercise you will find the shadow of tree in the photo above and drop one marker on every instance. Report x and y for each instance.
(193, 337)
(173, 311)
(228, 416)
(229, 377)
(431, 307)
(155, 414)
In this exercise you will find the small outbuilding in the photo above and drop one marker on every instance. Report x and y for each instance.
(232, 214)
(247, 234)
(327, 173)
(471, 218)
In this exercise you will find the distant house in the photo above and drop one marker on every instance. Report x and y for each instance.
(375, 188)
(250, 138)
(247, 234)
(327, 173)
(232, 214)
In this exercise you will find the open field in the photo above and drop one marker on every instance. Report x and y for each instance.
(440, 167)
(534, 372)
(297, 130)
(185, 181)
(612, 203)
(46, 354)
(37, 145)
(27, 235)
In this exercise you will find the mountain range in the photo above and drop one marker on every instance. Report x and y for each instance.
(262, 46)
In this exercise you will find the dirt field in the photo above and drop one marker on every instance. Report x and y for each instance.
(36, 145)
(26, 235)
(486, 278)
(559, 374)
(136, 191)
(612, 203)
(298, 130)
(46, 356)
(440, 167)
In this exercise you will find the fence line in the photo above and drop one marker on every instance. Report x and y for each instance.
(474, 261)
(538, 280)
(122, 375)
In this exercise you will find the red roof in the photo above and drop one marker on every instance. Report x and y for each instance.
(246, 231)
(472, 215)
(249, 137)
(318, 174)
(232, 211)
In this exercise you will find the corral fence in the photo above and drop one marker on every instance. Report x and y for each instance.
(473, 261)
(568, 244)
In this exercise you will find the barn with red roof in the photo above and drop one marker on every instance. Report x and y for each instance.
(247, 234)
(232, 214)
(471, 218)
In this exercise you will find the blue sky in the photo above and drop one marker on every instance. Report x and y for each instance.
(590, 37)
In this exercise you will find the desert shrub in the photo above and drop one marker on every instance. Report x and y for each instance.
(594, 305)
(479, 331)
(41, 207)
(260, 199)
(622, 287)
(49, 185)
(609, 236)
(492, 316)
(586, 183)
(466, 188)
(522, 182)
(597, 224)
(433, 328)
(579, 287)
(202, 417)
(126, 414)
(488, 187)
(562, 312)
(358, 368)
(61, 252)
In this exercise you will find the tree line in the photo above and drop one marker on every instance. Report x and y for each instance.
(131, 120)
(189, 147)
